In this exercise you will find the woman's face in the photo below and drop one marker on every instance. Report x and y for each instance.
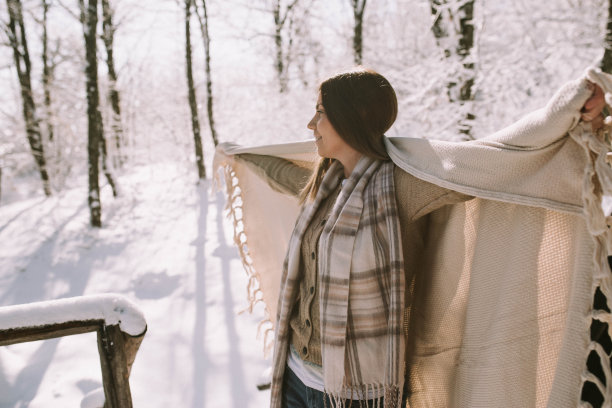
(328, 141)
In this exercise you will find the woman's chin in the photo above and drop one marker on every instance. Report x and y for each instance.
(319, 150)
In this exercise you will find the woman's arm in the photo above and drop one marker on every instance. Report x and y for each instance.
(280, 174)
(545, 126)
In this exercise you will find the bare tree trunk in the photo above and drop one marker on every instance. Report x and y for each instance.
(203, 19)
(89, 18)
(105, 169)
(358, 10)
(193, 104)
(460, 89)
(21, 56)
(108, 36)
(278, 42)
(606, 62)
(282, 53)
(93, 104)
(47, 73)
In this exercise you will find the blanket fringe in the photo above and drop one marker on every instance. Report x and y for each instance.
(597, 181)
(235, 211)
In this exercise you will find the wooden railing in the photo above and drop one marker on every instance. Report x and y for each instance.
(119, 323)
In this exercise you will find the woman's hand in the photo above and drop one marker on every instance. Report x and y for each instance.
(593, 107)
(222, 156)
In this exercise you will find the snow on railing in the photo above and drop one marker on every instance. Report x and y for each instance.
(119, 323)
(113, 309)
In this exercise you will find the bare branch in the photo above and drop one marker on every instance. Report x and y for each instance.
(7, 32)
(70, 12)
(287, 12)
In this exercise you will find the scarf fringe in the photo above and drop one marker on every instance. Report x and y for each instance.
(234, 208)
(389, 396)
(597, 181)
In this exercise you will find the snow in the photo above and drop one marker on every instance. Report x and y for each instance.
(113, 309)
(94, 399)
(166, 246)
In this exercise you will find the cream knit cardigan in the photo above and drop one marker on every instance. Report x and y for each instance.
(503, 294)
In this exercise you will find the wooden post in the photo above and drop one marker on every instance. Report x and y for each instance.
(131, 344)
(115, 374)
(117, 349)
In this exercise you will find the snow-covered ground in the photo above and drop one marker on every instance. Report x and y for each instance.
(167, 246)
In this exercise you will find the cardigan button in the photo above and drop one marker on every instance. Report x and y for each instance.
(312, 255)
(304, 351)
(308, 322)
(311, 290)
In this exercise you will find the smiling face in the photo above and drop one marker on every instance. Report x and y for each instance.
(354, 110)
(328, 141)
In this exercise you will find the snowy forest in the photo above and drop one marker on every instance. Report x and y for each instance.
(110, 112)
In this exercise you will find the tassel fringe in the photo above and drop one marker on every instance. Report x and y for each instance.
(357, 397)
(597, 181)
(234, 212)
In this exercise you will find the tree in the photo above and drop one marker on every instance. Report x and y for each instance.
(193, 104)
(203, 19)
(457, 41)
(47, 74)
(358, 10)
(96, 143)
(283, 51)
(21, 57)
(89, 18)
(293, 46)
(108, 36)
(606, 61)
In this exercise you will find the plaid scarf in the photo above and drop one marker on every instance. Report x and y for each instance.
(361, 278)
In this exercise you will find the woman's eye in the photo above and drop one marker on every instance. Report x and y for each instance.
(320, 112)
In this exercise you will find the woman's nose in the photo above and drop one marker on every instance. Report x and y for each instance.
(311, 124)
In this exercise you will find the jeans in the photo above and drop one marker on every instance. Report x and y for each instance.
(298, 395)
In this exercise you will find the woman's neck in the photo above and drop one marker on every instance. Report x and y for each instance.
(349, 161)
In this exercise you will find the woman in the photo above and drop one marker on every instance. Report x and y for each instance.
(348, 276)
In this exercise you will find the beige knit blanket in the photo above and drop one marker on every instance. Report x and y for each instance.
(503, 293)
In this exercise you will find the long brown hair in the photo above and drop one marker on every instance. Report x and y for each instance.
(361, 105)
